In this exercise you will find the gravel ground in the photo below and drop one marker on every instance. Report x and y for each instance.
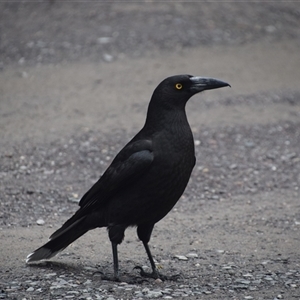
(235, 232)
(231, 161)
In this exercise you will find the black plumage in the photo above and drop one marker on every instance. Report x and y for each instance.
(146, 178)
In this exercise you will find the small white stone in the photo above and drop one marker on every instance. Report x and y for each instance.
(40, 222)
(192, 255)
(270, 28)
(24, 74)
(108, 57)
(104, 40)
(158, 281)
(181, 257)
(21, 61)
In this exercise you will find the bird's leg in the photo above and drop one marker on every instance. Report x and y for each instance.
(153, 266)
(116, 235)
(144, 233)
(116, 265)
(154, 273)
(116, 261)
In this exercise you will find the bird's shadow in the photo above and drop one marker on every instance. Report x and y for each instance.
(56, 266)
(93, 272)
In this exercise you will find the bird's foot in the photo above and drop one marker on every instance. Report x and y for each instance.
(156, 275)
(108, 278)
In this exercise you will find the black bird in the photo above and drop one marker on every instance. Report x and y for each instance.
(146, 178)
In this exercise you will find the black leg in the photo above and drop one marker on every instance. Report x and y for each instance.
(116, 235)
(116, 265)
(153, 266)
(144, 234)
(116, 261)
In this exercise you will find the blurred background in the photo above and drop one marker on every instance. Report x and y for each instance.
(63, 61)
(53, 31)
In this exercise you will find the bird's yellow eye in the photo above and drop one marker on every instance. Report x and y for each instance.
(178, 86)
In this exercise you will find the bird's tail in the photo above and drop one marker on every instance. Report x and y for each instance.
(60, 239)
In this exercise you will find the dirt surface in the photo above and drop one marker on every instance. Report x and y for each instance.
(75, 82)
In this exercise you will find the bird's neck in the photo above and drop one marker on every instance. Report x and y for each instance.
(165, 118)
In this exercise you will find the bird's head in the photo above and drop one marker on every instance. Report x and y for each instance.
(177, 90)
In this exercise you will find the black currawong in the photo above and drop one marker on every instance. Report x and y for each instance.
(146, 178)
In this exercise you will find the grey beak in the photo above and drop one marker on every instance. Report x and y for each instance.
(200, 84)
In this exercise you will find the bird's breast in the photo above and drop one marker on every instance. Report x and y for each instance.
(174, 159)
(156, 191)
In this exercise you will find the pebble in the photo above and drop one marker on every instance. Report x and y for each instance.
(158, 281)
(257, 281)
(73, 199)
(73, 292)
(270, 28)
(21, 61)
(104, 40)
(207, 292)
(108, 57)
(269, 278)
(227, 268)
(181, 257)
(220, 251)
(167, 291)
(40, 222)
(87, 282)
(243, 281)
(154, 294)
(192, 255)
(50, 274)
(239, 287)
(30, 289)
(24, 74)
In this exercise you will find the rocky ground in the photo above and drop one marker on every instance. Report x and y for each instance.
(75, 81)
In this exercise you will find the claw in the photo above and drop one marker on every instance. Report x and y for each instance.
(105, 277)
(155, 274)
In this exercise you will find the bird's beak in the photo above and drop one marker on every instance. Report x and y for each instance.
(200, 84)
